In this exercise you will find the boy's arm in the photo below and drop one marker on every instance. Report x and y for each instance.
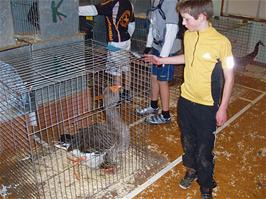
(149, 41)
(178, 59)
(104, 9)
(221, 115)
(170, 36)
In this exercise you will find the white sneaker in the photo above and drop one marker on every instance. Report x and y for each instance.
(157, 119)
(147, 110)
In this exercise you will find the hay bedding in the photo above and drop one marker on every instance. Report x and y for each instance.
(56, 172)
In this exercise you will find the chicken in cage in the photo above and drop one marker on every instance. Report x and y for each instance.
(65, 130)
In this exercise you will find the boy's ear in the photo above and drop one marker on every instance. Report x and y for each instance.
(201, 17)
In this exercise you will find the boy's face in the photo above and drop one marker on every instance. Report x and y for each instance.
(190, 22)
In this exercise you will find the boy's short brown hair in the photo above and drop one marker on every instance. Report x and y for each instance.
(196, 7)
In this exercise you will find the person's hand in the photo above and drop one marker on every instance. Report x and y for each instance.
(152, 59)
(221, 117)
(147, 50)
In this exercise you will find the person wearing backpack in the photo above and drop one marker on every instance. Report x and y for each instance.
(162, 41)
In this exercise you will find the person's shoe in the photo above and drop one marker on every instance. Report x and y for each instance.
(187, 180)
(214, 184)
(147, 110)
(125, 96)
(157, 119)
(206, 193)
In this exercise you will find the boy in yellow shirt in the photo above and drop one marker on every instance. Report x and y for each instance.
(204, 100)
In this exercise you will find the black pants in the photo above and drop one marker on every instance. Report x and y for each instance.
(198, 124)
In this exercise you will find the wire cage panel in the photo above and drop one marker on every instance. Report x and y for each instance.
(26, 18)
(65, 130)
(6, 25)
(41, 20)
(238, 33)
(140, 34)
(243, 36)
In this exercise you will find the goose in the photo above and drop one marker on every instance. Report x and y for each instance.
(242, 62)
(115, 122)
(99, 143)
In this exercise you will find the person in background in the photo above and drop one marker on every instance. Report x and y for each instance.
(120, 26)
(161, 41)
(86, 26)
(204, 100)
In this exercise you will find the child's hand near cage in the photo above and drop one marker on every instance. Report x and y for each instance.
(152, 59)
(161, 61)
(147, 50)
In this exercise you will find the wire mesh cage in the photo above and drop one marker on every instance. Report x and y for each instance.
(36, 20)
(233, 29)
(26, 18)
(66, 129)
(244, 36)
(140, 35)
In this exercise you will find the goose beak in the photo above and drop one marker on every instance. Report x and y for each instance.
(115, 89)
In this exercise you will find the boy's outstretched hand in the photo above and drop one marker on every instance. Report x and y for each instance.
(152, 59)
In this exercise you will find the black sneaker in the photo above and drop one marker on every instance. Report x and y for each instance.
(214, 184)
(190, 176)
(206, 193)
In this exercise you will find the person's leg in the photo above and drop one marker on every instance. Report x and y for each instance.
(154, 95)
(124, 63)
(188, 133)
(164, 74)
(117, 80)
(164, 94)
(118, 65)
(126, 80)
(206, 126)
(154, 89)
(165, 99)
(113, 68)
(126, 94)
(188, 141)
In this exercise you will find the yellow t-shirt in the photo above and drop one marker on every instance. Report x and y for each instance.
(206, 53)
